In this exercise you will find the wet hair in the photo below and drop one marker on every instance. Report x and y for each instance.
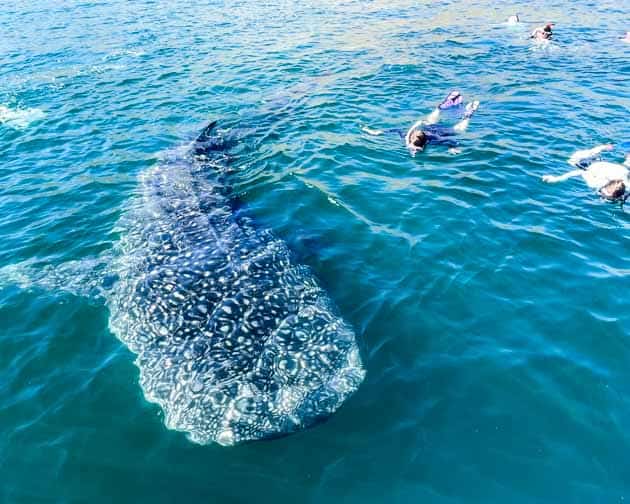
(614, 190)
(419, 139)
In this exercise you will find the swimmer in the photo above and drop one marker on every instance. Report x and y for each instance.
(611, 180)
(543, 32)
(626, 38)
(513, 19)
(426, 131)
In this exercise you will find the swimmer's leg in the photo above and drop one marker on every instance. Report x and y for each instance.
(433, 117)
(551, 179)
(471, 108)
(453, 99)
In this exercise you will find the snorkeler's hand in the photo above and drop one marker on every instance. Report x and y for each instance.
(548, 178)
(454, 150)
(602, 148)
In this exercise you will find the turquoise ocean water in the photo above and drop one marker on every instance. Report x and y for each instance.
(492, 308)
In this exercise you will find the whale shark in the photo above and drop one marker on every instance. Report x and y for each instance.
(233, 339)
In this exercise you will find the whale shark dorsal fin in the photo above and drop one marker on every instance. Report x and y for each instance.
(205, 134)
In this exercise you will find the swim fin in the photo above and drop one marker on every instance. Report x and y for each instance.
(453, 99)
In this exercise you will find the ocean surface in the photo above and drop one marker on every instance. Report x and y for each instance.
(492, 308)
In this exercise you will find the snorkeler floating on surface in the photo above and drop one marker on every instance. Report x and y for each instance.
(612, 180)
(426, 131)
(542, 32)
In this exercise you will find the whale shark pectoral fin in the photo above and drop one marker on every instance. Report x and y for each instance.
(89, 277)
(206, 133)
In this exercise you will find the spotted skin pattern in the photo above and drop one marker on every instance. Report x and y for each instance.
(234, 341)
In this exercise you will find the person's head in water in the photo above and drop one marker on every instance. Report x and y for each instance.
(418, 139)
(543, 32)
(614, 190)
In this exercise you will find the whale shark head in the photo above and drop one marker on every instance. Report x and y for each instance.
(300, 377)
(234, 340)
(254, 350)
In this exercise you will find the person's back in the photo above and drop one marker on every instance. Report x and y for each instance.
(600, 173)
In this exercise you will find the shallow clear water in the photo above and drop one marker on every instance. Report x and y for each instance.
(492, 308)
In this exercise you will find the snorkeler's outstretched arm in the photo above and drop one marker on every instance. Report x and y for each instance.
(552, 179)
(377, 132)
(583, 157)
(370, 131)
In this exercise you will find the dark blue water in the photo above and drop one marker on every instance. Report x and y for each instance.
(492, 308)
